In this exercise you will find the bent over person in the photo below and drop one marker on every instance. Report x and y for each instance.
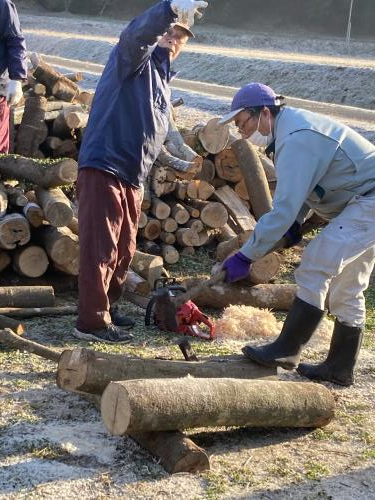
(127, 126)
(13, 66)
(327, 167)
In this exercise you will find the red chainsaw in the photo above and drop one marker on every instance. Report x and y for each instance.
(169, 311)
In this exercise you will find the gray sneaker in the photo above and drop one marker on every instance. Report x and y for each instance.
(110, 334)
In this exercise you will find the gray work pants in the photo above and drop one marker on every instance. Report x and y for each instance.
(338, 263)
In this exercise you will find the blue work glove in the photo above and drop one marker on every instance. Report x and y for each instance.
(236, 267)
(293, 235)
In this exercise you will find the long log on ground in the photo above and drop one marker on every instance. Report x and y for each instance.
(254, 176)
(10, 339)
(84, 370)
(32, 312)
(161, 405)
(11, 323)
(47, 175)
(269, 296)
(26, 296)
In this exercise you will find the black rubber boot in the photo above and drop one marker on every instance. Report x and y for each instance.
(299, 326)
(342, 357)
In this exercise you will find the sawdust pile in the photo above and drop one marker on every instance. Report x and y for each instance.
(246, 322)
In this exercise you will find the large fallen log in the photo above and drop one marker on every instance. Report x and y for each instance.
(26, 296)
(47, 175)
(160, 405)
(84, 370)
(269, 296)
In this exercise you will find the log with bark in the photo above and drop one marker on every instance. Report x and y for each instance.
(33, 213)
(226, 165)
(212, 214)
(14, 341)
(150, 267)
(254, 176)
(57, 84)
(30, 261)
(14, 231)
(55, 205)
(3, 199)
(43, 174)
(33, 312)
(161, 405)
(84, 370)
(213, 136)
(61, 245)
(12, 324)
(241, 216)
(266, 296)
(33, 130)
(26, 296)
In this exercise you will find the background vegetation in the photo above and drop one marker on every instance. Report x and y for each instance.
(322, 16)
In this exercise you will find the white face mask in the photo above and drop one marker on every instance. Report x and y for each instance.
(260, 140)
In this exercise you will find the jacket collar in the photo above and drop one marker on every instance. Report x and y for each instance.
(162, 61)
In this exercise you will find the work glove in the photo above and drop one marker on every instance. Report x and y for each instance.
(293, 235)
(187, 9)
(14, 92)
(236, 267)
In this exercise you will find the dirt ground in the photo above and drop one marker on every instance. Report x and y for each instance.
(53, 444)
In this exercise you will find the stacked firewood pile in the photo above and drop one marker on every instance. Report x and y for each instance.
(201, 191)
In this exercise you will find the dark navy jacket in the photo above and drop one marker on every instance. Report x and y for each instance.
(129, 117)
(12, 43)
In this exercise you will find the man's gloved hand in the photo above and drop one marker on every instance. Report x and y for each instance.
(293, 235)
(236, 267)
(187, 9)
(14, 92)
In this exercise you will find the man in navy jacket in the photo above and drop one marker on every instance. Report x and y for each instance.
(127, 127)
(13, 67)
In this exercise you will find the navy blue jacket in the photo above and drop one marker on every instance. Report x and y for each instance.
(129, 117)
(12, 43)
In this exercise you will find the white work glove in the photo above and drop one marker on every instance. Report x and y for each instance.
(187, 9)
(14, 92)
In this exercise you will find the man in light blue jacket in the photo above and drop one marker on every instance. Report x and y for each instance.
(127, 126)
(326, 167)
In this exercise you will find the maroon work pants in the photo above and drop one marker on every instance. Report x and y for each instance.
(4, 125)
(108, 214)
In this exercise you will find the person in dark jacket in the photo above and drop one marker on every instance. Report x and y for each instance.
(13, 67)
(127, 127)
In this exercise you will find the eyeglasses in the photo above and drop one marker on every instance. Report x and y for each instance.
(243, 125)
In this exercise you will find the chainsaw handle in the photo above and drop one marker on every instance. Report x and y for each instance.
(196, 290)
